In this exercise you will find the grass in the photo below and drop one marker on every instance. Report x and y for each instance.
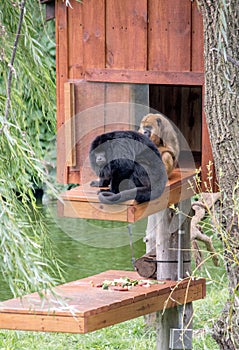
(205, 313)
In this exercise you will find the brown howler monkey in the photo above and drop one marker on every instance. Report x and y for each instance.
(130, 164)
(161, 132)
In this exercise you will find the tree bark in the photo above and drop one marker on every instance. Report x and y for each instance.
(221, 32)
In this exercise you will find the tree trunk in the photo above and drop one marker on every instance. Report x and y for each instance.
(221, 32)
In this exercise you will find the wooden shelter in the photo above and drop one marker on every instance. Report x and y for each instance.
(116, 61)
(114, 57)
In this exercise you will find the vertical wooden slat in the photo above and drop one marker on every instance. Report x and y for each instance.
(86, 37)
(94, 33)
(197, 62)
(69, 102)
(62, 76)
(169, 37)
(75, 37)
(89, 122)
(118, 98)
(126, 34)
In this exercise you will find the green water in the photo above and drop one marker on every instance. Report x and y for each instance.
(88, 247)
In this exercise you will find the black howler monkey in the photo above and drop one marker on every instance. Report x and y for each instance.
(130, 164)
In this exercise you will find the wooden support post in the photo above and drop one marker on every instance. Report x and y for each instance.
(165, 226)
(150, 241)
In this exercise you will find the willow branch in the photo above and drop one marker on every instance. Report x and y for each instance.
(11, 69)
(233, 61)
(229, 58)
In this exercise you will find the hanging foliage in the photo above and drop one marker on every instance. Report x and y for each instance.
(27, 100)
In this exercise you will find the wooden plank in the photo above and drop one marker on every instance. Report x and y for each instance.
(82, 290)
(70, 142)
(86, 192)
(197, 59)
(169, 35)
(93, 33)
(62, 76)
(78, 324)
(86, 24)
(94, 308)
(126, 34)
(93, 210)
(75, 41)
(118, 112)
(83, 201)
(86, 33)
(42, 323)
(145, 77)
(140, 308)
(89, 122)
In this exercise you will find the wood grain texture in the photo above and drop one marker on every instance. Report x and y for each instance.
(95, 308)
(169, 35)
(62, 76)
(197, 56)
(126, 34)
(70, 142)
(144, 76)
(75, 41)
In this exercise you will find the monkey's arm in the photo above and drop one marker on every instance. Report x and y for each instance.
(168, 159)
(100, 183)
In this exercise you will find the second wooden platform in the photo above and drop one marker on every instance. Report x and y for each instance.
(91, 308)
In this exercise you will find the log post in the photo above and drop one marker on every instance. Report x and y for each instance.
(150, 241)
(165, 226)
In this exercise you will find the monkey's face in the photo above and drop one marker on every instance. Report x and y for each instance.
(146, 130)
(100, 159)
(150, 126)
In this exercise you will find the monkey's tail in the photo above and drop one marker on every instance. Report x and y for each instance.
(115, 198)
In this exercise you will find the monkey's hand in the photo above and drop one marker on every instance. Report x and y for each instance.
(168, 162)
(95, 183)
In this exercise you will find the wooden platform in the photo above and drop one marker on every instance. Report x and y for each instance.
(82, 201)
(94, 307)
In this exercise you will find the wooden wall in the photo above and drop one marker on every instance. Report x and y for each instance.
(154, 35)
(158, 43)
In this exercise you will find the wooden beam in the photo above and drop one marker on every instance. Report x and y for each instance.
(144, 77)
(70, 142)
